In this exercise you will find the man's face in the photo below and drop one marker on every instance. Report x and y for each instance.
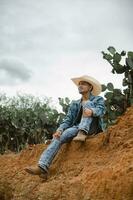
(84, 87)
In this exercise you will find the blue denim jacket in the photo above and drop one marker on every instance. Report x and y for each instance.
(74, 109)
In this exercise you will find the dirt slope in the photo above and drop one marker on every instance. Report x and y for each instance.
(101, 169)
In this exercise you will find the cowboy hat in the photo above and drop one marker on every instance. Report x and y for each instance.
(97, 88)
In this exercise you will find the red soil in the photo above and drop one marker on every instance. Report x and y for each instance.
(100, 169)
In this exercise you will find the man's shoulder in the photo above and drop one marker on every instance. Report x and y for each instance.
(96, 98)
(92, 98)
(76, 101)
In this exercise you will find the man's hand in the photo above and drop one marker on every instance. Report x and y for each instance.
(57, 135)
(87, 112)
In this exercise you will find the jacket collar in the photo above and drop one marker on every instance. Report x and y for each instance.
(91, 97)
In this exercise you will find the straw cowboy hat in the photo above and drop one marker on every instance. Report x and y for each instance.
(97, 88)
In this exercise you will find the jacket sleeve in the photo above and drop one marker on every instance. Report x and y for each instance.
(68, 120)
(99, 109)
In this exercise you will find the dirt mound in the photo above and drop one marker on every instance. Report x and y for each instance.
(100, 169)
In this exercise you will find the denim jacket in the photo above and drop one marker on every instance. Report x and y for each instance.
(75, 107)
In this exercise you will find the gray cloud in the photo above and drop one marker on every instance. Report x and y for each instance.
(13, 71)
(51, 27)
(42, 33)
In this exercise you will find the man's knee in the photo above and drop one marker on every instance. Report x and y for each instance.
(68, 134)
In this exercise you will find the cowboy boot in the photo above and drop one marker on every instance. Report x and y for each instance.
(81, 136)
(42, 173)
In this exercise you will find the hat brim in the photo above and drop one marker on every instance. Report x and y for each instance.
(97, 88)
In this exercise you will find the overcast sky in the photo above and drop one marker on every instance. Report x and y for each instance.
(44, 43)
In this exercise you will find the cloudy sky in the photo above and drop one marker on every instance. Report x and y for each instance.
(44, 43)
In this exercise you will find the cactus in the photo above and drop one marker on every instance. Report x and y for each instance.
(115, 104)
(115, 58)
(117, 101)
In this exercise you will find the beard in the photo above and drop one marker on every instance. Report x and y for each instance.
(80, 90)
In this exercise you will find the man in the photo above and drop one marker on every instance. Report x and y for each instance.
(84, 118)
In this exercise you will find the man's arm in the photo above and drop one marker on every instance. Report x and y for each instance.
(98, 110)
(68, 120)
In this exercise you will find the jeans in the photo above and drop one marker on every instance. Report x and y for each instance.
(51, 151)
(86, 121)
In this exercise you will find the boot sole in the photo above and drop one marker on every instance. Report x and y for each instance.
(78, 140)
(43, 176)
(30, 172)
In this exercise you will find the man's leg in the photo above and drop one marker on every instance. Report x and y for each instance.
(83, 128)
(49, 154)
(51, 151)
(84, 125)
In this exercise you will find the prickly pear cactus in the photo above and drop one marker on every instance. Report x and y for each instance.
(117, 101)
(122, 63)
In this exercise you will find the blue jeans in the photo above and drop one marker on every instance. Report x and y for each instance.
(51, 151)
(86, 121)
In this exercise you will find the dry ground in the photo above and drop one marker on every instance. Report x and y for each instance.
(100, 169)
